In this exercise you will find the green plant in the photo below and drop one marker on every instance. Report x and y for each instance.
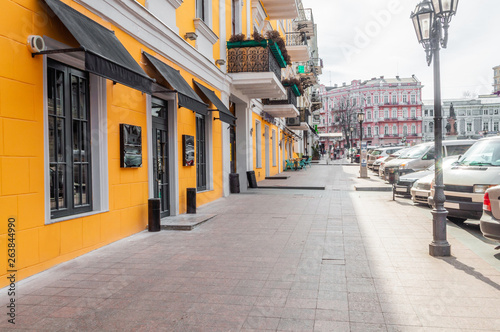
(315, 151)
(275, 36)
(257, 36)
(237, 38)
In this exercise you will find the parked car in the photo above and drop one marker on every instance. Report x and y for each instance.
(422, 156)
(466, 182)
(421, 188)
(490, 220)
(381, 153)
(397, 154)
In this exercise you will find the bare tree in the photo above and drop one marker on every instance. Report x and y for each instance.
(345, 112)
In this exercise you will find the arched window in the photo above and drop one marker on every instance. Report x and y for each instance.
(369, 131)
(386, 130)
(405, 113)
(431, 127)
(405, 130)
(413, 113)
(394, 130)
(413, 129)
(394, 113)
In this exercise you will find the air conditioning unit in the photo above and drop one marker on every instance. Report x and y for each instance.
(293, 121)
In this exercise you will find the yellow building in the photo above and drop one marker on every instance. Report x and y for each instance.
(105, 104)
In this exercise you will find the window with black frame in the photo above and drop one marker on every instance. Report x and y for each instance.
(69, 140)
(201, 155)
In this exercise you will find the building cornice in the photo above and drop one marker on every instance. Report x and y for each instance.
(141, 24)
(204, 30)
(176, 3)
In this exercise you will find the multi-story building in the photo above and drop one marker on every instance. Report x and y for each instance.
(127, 100)
(475, 118)
(392, 108)
(496, 79)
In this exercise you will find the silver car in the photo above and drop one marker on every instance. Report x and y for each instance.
(490, 220)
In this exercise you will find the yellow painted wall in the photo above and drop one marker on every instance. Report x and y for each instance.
(260, 172)
(22, 189)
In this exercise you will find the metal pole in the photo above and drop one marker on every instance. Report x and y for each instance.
(363, 173)
(352, 152)
(439, 245)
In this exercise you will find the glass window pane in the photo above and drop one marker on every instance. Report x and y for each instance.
(83, 98)
(85, 181)
(61, 183)
(84, 144)
(53, 186)
(76, 141)
(52, 139)
(60, 142)
(74, 97)
(50, 90)
(59, 93)
(76, 185)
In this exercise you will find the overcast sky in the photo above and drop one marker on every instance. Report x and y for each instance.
(362, 39)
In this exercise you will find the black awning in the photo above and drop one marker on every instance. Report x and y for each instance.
(185, 93)
(104, 54)
(224, 113)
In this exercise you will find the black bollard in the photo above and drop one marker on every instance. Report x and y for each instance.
(234, 183)
(191, 200)
(154, 215)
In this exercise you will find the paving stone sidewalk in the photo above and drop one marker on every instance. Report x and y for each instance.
(274, 260)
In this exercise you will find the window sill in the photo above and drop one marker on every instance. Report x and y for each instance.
(74, 216)
(204, 191)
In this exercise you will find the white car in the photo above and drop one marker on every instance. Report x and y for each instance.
(466, 182)
(421, 189)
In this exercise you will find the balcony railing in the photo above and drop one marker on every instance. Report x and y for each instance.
(291, 99)
(296, 39)
(252, 59)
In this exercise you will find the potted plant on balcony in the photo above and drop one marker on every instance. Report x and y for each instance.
(295, 85)
(272, 40)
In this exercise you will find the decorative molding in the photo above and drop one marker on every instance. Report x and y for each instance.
(176, 3)
(203, 29)
(138, 22)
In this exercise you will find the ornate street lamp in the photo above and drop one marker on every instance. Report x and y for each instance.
(430, 20)
(363, 172)
(352, 152)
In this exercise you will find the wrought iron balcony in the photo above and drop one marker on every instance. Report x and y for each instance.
(305, 22)
(317, 64)
(297, 47)
(291, 99)
(255, 70)
(252, 59)
(280, 107)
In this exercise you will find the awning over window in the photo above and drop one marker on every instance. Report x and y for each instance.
(185, 93)
(104, 54)
(224, 113)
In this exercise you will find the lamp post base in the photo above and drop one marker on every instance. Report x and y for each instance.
(439, 249)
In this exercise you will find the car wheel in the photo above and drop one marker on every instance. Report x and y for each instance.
(456, 220)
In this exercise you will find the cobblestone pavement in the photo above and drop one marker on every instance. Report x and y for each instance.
(274, 260)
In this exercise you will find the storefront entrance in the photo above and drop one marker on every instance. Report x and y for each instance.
(160, 155)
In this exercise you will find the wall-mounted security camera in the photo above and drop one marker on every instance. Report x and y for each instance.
(36, 43)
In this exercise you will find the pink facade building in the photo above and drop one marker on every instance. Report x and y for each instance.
(392, 108)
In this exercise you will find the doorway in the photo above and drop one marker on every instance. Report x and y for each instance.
(160, 154)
